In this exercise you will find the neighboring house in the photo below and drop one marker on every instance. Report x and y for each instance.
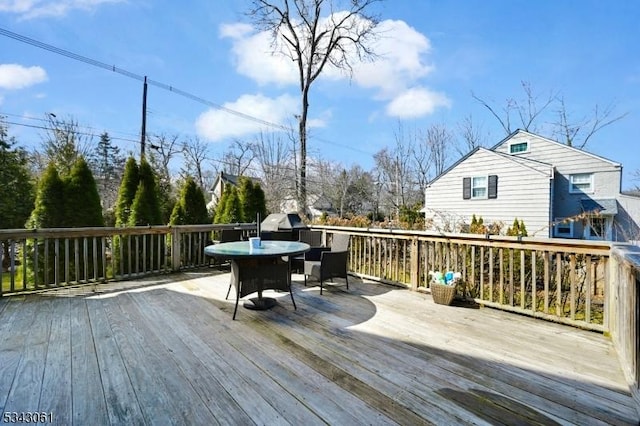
(220, 184)
(317, 205)
(555, 189)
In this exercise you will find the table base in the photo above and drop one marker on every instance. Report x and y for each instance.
(260, 304)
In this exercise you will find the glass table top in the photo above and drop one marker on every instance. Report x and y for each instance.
(267, 248)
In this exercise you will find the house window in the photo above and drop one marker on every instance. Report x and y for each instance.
(598, 228)
(563, 229)
(582, 182)
(479, 187)
(516, 148)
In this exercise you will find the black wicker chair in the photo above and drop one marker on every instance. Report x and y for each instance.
(332, 263)
(252, 275)
(314, 239)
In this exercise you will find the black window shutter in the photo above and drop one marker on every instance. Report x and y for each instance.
(466, 188)
(493, 186)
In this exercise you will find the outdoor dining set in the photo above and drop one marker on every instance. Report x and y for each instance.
(260, 262)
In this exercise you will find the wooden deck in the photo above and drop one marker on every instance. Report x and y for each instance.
(167, 352)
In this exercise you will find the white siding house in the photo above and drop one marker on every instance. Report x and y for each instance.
(495, 186)
(557, 190)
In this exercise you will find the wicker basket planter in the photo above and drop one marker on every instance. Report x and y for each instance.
(443, 294)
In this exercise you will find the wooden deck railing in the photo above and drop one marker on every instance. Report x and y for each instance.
(586, 284)
(49, 258)
(556, 279)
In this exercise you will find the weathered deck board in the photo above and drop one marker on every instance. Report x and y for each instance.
(168, 352)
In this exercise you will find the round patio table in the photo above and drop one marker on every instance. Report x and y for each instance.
(256, 269)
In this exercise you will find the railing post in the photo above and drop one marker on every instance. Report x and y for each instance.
(175, 248)
(415, 263)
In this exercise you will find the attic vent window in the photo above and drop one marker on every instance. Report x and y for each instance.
(517, 148)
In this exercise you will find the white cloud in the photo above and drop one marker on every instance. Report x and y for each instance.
(29, 9)
(216, 124)
(14, 76)
(395, 74)
(400, 62)
(416, 102)
(253, 57)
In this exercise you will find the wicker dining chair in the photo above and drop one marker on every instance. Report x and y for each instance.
(250, 276)
(314, 239)
(332, 263)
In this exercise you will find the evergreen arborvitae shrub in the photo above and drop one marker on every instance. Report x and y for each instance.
(83, 209)
(49, 205)
(233, 208)
(82, 200)
(49, 212)
(127, 192)
(259, 201)
(245, 198)
(252, 200)
(145, 210)
(220, 207)
(16, 187)
(191, 207)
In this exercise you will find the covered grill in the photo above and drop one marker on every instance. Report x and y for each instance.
(281, 226)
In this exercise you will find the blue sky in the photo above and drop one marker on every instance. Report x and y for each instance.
(435, 54)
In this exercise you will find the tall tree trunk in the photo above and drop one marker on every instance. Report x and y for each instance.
(302, 195)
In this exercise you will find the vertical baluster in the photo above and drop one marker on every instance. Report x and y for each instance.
(559, 284)
(574, 284)
(501, 266)
(588, 286)
(491, 260)
(523, 291)
(481, 271)
(511, 287)
(85, 259)
(534, 285)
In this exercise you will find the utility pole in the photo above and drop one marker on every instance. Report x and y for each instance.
(143, 132)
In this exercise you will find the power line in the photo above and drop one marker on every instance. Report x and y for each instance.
(34, 126)
(164, 86)
(122, 71)
(88, 129)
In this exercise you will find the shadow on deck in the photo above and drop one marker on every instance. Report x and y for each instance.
(165, 350)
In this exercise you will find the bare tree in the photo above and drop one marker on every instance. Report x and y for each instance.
(300, 33)
(440, 142)
(196, 153)
(163, 150)
(471, 135)
(528, 110)
(238, 157)
(273, 159)
(165, 147)
(350, 190)
(63, 143)
(422, 163)
(579, 132)
(396, 176)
